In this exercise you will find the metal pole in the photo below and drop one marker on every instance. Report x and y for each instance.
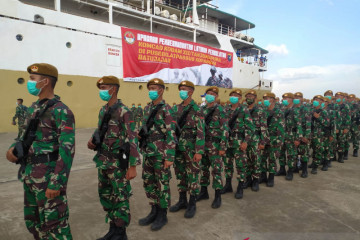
(110, 13)
(151, 24)
(57, 5)
(195, 35)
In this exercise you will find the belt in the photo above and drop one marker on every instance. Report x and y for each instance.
(43, 158)
(155, 137)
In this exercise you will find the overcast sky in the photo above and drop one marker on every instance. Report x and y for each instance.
(314, 44)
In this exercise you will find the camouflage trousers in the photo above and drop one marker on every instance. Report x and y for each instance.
(156, 181)
(235, 154)
(21, 129)
(289, 153)
(187, 172)
(304, 151)
(213, 159)
(328, 153)
(355, 138)
(318, 149)
(46, 219)
(269, 156)
(342, 141)
(114, 192)
(253, 160)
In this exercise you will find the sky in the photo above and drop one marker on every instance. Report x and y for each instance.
(314, 45)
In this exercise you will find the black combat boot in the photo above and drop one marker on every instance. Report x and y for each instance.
(355, 153)
(270, 181)
(314, 169)
(203, 194)
(151, 217)
(181, 204)
(255, 185)
(248, 182)
(341, 157)
(217, 200)
(281, 172)
(120, 234)
(289, 175)
(304, 172)
(160, 220)
(296, 169)
(110, 233)
(239, 191)
(346, 153)
(263, 178)
(227, 187)
(325, 165)
(191, 208)
(329, 164)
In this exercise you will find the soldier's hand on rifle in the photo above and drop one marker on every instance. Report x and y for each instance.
(243, 146)
(221, 152)
(13, 123)
(131, 173)
(52, 193)
(91, 145)
(346, 131)
(167, 164)
(297, 143)
(261, 147)
(10, 156)
(197, 157)
(316, 115)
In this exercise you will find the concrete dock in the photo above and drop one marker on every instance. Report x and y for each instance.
(322, 206)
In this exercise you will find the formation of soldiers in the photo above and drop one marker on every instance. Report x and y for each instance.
(193, 139)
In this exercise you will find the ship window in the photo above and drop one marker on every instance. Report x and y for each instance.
(69, 83)
(20, 81)
(19, 37)
(140, 87)
(68, 44)
(38, 18)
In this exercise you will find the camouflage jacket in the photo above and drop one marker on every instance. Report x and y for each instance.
(163, 125)
(293, 123)
(320, 126)
(344, 120)
(56, 132)
(20, 114)
(276, 126)
(217, 128)
(120, 131)
(305, 115)
(355, 116)
(243, 127)
(193, 132)
(138, 114)
(332, 116)
(261, 134)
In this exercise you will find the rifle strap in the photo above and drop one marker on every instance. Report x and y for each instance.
(152, 115)
(208, 116)
(233, 119)
(183, 116)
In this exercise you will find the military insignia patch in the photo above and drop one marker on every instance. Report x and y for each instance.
(34, 68)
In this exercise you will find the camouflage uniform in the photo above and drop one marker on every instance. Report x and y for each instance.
(55, 135)
(319, 127)
(113, 187)
(355, 125)
(213, 81)
(191, 142)
(304, 148)
(138, 116)
(160, 147)
(343, 122)
(20, 114)
(330, 131)
(333, 113)
(216, 136)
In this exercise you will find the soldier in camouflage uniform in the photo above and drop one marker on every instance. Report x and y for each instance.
(114, 173)
(216, 136)
(257, 144)
(190, 148)
(332, 108)
(20, 114)
(138, 116)
(343, 124)
(241, 128)
(304, 147)
(329, 134)
(47, 165)
(293, 136)
(355, 123)
(159, 154)
(276, 129)
(213, 80)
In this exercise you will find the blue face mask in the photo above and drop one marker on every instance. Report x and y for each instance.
(260, 103)
(31, 86)
(329, 97)
(234, 100)
(322, 105)
(139, 106)
(266, 103)
(153, 95)
(296, 101)
(338, 100)
(104, 95)
(316, 103)
(183, 94)
(285, 102)
(344, 100)
(209, 98)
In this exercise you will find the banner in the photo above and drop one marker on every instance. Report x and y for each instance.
(147, 55)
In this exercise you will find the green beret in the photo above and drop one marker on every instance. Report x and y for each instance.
(156, 81)
(43, 69)
(108, 80)
(187, 84)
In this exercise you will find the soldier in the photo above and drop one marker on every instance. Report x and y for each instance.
(157, 140)
(343, 125)
(304, 147)
(138, 116)
(133, 108)
(257, 144)
(213, 80)
(114, 137)
(293, 136)
(216, 136)
(241, 128)
(276, 129)
(355, 123)
(20, 114)
(332, 108)
(329, 134)
(319, 125)
(190, 148)
(48, 156)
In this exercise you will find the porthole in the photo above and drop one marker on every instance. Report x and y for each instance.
(19, 37)
(20, 81)
(140, 87)
(68, 44)
(69, 83)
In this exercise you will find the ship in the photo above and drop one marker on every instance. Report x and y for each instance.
(88, 39)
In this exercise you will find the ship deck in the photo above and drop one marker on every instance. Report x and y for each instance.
(324, 206)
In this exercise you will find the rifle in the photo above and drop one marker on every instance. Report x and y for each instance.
(124, 156)
(181, 122)
(144, 132)
(313, 119)
(21, 148)
(209, 116)
(269, 118)
(233, 119)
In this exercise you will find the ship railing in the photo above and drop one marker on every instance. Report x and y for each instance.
(260, 62)
(129, 5)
